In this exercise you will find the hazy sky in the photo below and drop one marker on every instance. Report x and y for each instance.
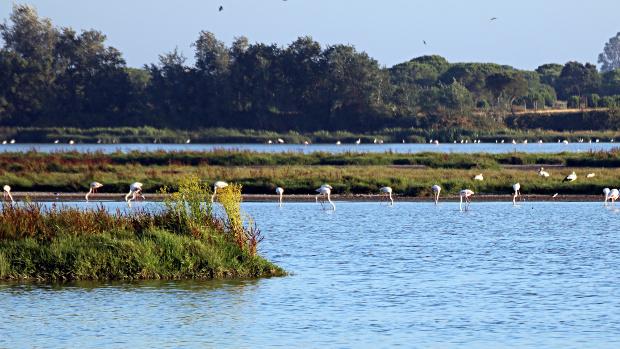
(526, 34)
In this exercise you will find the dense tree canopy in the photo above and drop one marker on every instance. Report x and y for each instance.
(53, 76)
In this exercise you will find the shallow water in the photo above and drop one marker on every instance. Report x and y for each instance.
(330, 148)
(539, 275)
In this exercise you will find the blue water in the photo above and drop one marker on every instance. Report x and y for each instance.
(539, 275)
(331, 148)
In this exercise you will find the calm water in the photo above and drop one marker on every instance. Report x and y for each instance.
(540, 275)
(332, 148)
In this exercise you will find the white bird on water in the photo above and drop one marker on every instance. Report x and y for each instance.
(478, 177)
(7, 194)
(280, 191)
(218, 185)
(516, 187)
(543, 173)
(465, 193)
(135, 190)
(436, 190)
(606, 192)
(388, 191)
(571, 177)
(613, 196)
(325, 190)
(93, 188)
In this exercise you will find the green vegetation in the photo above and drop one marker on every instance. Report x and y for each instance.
(185, 240)
(350, 173)
(56, 77)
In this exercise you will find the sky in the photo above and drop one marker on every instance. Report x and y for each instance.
(526, 34)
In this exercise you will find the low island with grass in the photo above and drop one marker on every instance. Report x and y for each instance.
(184, 240)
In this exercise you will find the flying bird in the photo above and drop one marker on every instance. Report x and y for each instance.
(493, 19)
(424, 41)
(221, 8)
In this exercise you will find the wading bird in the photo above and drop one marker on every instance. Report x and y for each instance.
(280, 191)
(613, 196)
(436, 190)
(516, 187)
(465, 193)
(325, 191)
(93, 188)
(388, 191)
(7, 193)
(478, 177)
(218, 185)
(543, 173)
(606, 192)
(571, 177)
(135, 190)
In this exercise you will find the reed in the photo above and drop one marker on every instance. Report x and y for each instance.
(184, 240)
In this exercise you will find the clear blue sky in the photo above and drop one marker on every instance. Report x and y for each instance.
(527, 33)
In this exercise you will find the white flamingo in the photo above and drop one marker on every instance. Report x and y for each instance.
(325, 190)
(465, 193)
(93, 188)
(280, 191)
(606, 192)
(613, 196)
(571, 177)
(218, 185)
(388, 191)
(135, 190)
(543, 173)
(7, 194)
(436, 190)
(516, 187)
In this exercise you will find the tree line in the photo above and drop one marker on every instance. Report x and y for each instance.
(51, 76)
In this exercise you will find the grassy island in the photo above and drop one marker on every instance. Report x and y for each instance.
(184, 240)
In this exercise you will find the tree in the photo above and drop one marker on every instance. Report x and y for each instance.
(509, 85)
(611, 83)
(610, 57)
(577, 79)
(549, 73)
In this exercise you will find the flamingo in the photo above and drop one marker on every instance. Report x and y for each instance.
(436, 190)
(388, 191)
(218, 185)
(7, 193)
(280, 191)
(135, 189)
(613, 196)
(326, 191)
(465, 193)
(606, 193)
(478, 177)
(516, 187)
(543, 173)
(571, 177)
(93, 188)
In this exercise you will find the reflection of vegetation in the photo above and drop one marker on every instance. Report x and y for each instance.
(55, 76)
(185, 240)
(261, 173)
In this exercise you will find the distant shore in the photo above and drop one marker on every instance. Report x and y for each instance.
(67, 197)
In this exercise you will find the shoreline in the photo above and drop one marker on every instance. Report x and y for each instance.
(109, 197)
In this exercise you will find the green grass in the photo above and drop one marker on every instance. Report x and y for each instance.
(183, 241)
(353, 173)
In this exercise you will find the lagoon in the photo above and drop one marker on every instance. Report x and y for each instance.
(367, 275)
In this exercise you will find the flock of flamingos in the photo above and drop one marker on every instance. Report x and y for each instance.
(324, 191)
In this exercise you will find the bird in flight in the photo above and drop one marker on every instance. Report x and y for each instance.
(221, 8)
(424, 41)
(494, 19)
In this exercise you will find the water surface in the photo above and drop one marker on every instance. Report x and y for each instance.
(540, 275)
(330, 148)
